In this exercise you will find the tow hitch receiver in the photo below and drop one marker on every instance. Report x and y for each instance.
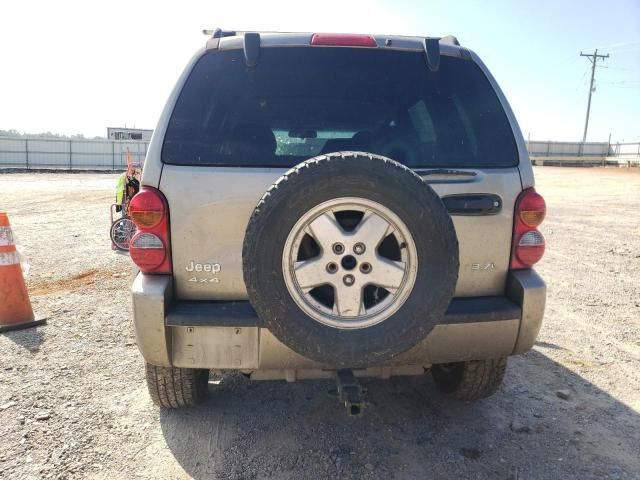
(350, 391)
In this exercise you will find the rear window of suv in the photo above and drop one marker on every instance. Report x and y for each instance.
(299, 102)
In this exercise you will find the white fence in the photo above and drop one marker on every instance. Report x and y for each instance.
(626, 150)
(579, 149)
(81, 154)
(69, 154)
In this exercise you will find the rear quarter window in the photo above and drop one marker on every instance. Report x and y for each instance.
(299, 102)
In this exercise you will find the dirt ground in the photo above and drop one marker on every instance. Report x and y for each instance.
(73, 402)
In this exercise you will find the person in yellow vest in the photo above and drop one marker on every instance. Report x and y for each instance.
(120, 188)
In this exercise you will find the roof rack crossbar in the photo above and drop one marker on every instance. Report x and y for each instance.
(219, 33)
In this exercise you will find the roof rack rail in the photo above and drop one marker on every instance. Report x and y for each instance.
(450, 40)
(219, 33)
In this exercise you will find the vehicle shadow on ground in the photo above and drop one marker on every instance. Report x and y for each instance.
(30, 339)
(408, 430)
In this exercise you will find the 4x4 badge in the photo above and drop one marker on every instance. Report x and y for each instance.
(213, 268)
(204, 280)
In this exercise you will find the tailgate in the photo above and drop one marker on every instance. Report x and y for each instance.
(210, 208)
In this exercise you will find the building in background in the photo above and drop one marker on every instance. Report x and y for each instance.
(128, 133)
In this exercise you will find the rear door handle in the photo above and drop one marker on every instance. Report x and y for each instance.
(475, 204)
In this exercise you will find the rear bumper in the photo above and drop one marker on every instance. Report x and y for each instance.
(229, 335)
(527, 289)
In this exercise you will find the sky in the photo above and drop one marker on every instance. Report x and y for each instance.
(79, 66)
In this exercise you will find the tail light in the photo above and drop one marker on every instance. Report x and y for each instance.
(528, 242)
(343, 40)
(150, 248)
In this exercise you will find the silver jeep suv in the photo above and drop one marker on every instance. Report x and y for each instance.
(335, 206)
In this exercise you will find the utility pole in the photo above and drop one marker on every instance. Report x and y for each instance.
(593, 58)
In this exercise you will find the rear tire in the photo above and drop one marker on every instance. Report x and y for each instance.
(470, 380)
(171, 387)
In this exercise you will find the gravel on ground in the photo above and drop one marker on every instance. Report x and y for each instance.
(73, 401)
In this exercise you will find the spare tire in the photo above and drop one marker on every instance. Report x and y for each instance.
(350, 259)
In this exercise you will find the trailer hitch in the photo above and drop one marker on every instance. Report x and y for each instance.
(350, 391)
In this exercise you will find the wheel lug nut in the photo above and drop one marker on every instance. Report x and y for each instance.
(359, 248)
(332, 267)
(349, 280)
(338, 248)
(365, 267)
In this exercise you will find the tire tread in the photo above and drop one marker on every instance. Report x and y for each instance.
(171, 387)
(479, 379)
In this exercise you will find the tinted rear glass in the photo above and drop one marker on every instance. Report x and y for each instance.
(299, 102)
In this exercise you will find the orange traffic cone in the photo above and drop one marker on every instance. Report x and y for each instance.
(15, 307)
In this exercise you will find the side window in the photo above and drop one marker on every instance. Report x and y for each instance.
(311, 142)
(466, 123)
(288, 143)
(422, 122)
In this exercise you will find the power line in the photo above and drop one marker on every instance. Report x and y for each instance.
(593, 58)
(619, 68)
(619, 82)
(631, 87)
